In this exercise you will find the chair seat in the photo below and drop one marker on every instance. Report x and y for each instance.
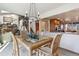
(46, 50)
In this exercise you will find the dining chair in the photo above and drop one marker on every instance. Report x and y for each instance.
(35, 46)
(54, 50)
(16, 51)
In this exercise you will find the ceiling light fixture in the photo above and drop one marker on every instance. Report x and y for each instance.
(31, 16)
(33, 13)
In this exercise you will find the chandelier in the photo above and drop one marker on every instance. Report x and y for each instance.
(31, 16)
(33, 13)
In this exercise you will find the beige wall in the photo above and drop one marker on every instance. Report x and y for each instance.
(44, 25)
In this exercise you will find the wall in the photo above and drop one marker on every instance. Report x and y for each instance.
(41, 26)
(1, 19)
(44, 26)
(15, 18)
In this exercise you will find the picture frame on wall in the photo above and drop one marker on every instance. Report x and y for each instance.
(8, 19)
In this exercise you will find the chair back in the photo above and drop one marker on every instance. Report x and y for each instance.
(56, 43)
(24, 35)
(16, 51)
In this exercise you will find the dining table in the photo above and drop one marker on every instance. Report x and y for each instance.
(31, 45)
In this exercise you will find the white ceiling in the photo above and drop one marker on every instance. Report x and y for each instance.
(21, 8)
